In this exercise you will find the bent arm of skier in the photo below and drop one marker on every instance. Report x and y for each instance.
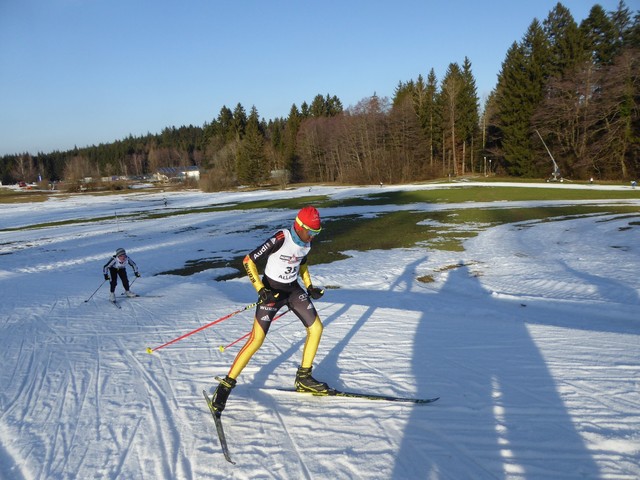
(133, 265)
(305, 275)
(312, 291)
(252, 271)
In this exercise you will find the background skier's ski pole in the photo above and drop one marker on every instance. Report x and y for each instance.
(151, 350)
(96, 291)
(222, 348)
(131, 284)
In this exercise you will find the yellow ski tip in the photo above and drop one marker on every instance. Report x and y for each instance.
(221, 348)
(149, 350)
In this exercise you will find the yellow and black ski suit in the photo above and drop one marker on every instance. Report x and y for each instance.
(286, 261)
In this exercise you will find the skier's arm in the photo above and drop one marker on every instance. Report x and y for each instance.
(305, 275)
(109, 264)
(252, 272)
(263, 251)
(312, 291)
(133, 265)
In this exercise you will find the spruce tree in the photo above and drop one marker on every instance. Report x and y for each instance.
(600, 36)
(452, 85)
(291, 129)
(401, 92)
(520, 89)
(565, 41)
(431, 119)
(468, 106)
(252, 166)
(239, 122)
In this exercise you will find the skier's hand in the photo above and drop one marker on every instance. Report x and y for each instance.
(138, 274)
(106, 277)
(315, 292)
(266, 295)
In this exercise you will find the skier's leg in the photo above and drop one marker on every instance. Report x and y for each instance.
(314, 334)
(258, 333)
(113, 275)
(304, 381)
(302, 306)
(125, 279)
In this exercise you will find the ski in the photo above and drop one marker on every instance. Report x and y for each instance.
(217, 418)
(141, 296)
(115, 304)
(364, 396)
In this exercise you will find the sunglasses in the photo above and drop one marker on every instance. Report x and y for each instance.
(312, 231)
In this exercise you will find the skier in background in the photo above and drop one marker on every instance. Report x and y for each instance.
(117, 266)
(286, 261)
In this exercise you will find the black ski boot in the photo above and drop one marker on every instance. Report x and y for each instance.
(219, 399)
(306, 383)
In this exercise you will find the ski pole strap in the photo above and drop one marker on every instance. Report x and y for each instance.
(199, 329)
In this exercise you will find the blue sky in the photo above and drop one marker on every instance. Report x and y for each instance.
(85, 72)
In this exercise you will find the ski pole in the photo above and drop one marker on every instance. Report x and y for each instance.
(221, 319)
(96, 291)
(131, 284)
(222, 348)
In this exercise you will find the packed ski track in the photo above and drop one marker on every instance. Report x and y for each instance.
(530, 337)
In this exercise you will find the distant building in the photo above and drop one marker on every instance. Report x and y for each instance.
(178, 173)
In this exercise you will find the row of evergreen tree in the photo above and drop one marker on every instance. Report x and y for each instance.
(565, 90)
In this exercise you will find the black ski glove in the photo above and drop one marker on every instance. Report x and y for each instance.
(138, 274)
(266, 295)
(106, 277)
(315, 292)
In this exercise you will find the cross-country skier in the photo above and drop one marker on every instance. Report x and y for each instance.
(117, 266)
(286, 261)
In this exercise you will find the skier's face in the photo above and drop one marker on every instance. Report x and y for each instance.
(121, 257)
(306, 234)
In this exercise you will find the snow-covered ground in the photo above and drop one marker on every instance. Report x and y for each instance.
(531, 337)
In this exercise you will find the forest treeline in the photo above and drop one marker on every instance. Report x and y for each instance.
(567, 90)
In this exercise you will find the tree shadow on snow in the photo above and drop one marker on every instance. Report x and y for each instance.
(500, 415)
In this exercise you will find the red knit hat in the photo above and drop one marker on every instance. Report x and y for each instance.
(309, 218)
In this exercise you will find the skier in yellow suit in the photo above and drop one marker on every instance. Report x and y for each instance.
(286, 253)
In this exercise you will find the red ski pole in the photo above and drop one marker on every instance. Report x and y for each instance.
(222, 348)
(221, 319)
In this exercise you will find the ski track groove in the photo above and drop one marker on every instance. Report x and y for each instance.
(67, 434)
(169, 416)
(25, 381)
(604, 401)
(118, 470)
(70, 386)
(305, 470)
(136, 308)
(159, 436)
(541, 399)
(84, 391)
(591, 393)
(474, 466)
(96, 387)
(75, 424)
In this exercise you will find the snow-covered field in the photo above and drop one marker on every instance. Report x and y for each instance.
(531, 337)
